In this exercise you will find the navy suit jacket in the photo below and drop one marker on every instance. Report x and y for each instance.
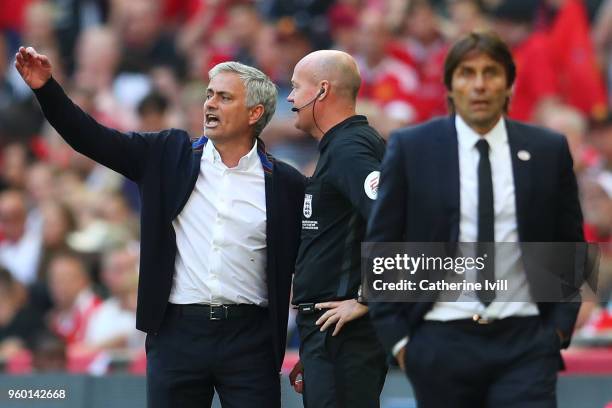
(166, 166)
(418, 201)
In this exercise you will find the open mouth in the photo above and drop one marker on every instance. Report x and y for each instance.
(211, 120)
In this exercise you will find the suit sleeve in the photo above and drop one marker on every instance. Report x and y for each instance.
(124, 153)
(386, 224)
(569, 229)
(353, 162)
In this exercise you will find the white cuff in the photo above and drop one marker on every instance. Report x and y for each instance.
(399, 345)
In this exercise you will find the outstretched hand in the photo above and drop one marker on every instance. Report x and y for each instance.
(34, 68)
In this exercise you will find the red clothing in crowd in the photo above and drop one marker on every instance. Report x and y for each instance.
(431, 98)
(581, 83)
(535, 76)
(72, 325)
(12, 13)
(393, 85)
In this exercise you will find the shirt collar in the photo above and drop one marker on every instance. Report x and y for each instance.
(328, 136)
(246, 162)
(468, 137)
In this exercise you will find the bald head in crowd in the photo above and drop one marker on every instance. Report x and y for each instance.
(325, 86)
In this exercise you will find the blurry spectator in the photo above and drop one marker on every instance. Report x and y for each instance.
(73, 299)
(575, 61)
(7, 89)
(192, 108)
(115, 210)
(465, 16)
(71, 19)
(573, 124)
(58, 223)
(20, 250)
(343, 21)
(145, 44)
(113, 324)
(19, 322)
(11, 15)
(97, 60)
(40, 187)
(601, 138)
(387, 82)
(424, 48)
(245, 26)
(602, 34)
(39, 25)
(152, 112)
(597, 198)
(283, 140)
(165, 81)
(536, 77)
(49, 354)
(40, 182)
(14, 164)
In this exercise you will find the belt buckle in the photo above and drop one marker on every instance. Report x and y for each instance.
(481, 320)
(217, 312)
(306, 308)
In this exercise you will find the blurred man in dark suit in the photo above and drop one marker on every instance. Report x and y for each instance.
(477, 176)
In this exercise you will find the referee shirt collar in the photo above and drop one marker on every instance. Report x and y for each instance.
(329, 135)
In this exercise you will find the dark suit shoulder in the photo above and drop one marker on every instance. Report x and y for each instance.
(536, 134)
(423, 131)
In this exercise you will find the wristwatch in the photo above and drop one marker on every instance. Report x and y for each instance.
(360, 298)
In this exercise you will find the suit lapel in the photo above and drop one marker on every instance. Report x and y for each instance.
(271, 211)
(521, 168)
(449, 172)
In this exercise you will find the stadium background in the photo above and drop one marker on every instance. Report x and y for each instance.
(69, 227)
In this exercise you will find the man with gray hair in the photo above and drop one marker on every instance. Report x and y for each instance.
(220, 231)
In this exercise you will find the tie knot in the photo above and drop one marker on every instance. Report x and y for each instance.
(483, 147)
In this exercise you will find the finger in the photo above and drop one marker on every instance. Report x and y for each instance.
(339, 325)
(325, 316)
(333, 319)
(44, 60)
(326, 305)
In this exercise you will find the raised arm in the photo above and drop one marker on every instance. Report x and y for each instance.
(125, 153)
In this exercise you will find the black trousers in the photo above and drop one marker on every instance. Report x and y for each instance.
(343, 371)
(192, 356)
(509, 363)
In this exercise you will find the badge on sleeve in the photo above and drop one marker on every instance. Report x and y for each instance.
(370, 185)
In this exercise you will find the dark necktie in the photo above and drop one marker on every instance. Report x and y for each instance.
(486, 222)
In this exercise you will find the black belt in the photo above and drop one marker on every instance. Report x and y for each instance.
(217, 312)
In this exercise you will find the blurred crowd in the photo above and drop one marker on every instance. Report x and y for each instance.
(69, 227)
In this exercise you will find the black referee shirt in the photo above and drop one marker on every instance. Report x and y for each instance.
(337, 204)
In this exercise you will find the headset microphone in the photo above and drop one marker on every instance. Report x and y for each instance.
(321, 91)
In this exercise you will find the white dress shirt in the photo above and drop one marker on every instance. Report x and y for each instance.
(508, 264)
(221, 234)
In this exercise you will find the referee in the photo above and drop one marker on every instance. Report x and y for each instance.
(341, 359)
